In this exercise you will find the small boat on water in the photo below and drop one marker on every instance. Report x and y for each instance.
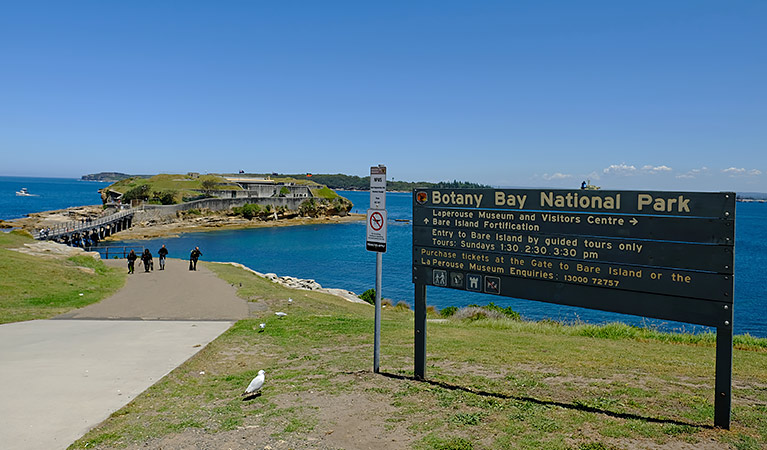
(23, 192)
(586, 185)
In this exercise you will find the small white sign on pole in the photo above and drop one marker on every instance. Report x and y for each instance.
(378, 187)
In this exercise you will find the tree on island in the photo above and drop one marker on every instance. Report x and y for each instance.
(209, 185)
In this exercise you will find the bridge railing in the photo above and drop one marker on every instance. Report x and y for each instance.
(77, 226)
(115, 252)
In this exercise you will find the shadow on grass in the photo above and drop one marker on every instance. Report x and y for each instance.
(247, 397)
(590, 409)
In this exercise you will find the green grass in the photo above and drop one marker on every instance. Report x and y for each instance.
(183, 186)
(324, 192)
(491, 384)
(32, 287)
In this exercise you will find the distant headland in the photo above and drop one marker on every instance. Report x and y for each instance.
(110, 177)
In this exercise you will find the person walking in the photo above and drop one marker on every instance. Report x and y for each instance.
(146, 258)
(131, 260)
(193, 257)
(163, 252)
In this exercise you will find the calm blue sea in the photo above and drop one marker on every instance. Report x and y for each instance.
(49, 194)
(335, 256)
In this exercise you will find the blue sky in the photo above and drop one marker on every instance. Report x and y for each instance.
(633, 95)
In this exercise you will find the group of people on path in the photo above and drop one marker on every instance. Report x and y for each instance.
(148, 261)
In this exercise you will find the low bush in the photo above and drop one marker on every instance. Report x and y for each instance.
(140, 192)
(476, 313)
(402, 305)
(507, 311)
(248, 211)
(165, 197)
(448, 311)
(369, 296)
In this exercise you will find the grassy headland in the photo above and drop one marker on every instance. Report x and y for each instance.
(175, 188)
(492, 384)
(169, 188)
(32, 287)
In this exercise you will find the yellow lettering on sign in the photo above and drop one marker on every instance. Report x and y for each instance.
(680, 203)
(511, 200)
(574, 200)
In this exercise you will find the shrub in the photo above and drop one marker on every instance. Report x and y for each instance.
(308, 207)
(402, 305)
(166, 197)
(507, 311)
(476, 313)
(369, 296)
(140, 192)
(208, 185)
(448, 311)
(248, 211)
(284, 191)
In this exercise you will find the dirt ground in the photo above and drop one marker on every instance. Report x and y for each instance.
(347, 421)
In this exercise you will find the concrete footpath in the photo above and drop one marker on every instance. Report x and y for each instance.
(61, 377)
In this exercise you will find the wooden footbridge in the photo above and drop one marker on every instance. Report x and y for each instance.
(87, 231)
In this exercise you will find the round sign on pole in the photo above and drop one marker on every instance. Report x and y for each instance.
(376, 230)
(376, 221)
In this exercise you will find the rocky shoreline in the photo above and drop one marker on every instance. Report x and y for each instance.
(215, 222)
(302, 284)
(171, 226)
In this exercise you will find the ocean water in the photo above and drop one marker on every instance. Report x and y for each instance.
(334, 255)
(49, 194)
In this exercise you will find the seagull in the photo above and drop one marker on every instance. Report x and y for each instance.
(262, 326)
(290, 300)
(256, 384)
(280, 314)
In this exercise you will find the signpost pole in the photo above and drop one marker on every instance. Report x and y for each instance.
(376, 242)
(377, 337)
(723, 383)
(420, 331)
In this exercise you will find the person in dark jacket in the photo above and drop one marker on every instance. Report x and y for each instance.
(146, 258)
(163, 252)
(193, 257)
(131, 260)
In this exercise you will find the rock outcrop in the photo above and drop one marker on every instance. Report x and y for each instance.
(50, 249)
(306, 285)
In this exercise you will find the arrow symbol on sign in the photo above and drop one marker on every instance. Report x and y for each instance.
(634, 221)
(426, 221)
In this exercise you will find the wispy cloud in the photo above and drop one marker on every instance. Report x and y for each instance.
(741, 172)
(656, 169)
(620, 169)
(556, 176)
(694, 173)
